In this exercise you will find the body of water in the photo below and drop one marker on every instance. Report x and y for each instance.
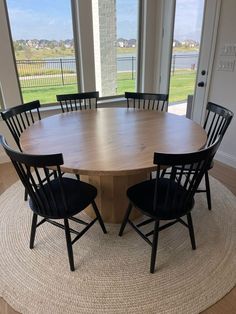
(127, 62)
(189, 60)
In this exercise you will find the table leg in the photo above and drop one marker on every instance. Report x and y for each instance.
(111, 199)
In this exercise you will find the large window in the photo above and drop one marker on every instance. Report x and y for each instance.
(44, 48)
(115, 26)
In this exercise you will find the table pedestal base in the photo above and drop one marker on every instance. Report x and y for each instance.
(111, 200)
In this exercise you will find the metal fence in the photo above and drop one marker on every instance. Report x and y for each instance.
(126, 65)
(184, 62)
(57, 72)
(42, 73)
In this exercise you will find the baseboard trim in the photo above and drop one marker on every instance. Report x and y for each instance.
(225, 158)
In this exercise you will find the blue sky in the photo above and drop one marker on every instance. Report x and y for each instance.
(127, 12)
(188, 19)
(40, 19)
(46, 19)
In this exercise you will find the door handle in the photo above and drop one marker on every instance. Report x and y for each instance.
(201, 84)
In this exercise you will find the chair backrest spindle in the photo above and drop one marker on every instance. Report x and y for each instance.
(78, 101)
(180, 181)
(32, 171)
(149, 101)
(216, 122)
(21, 117)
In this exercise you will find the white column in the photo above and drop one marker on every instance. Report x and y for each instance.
(104, 29)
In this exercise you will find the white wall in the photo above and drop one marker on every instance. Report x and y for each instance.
(223, 83)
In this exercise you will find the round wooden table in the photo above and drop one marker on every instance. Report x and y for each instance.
(112, 148)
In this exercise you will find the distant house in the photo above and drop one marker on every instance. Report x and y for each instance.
(124, 43)
(120, 44)
(176, 43)
(190, 43)
(132, 43)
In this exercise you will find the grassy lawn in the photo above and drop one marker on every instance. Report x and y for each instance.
(40, 54)
(181, 85)
(48, 80)
(125, 82)
(47, 94)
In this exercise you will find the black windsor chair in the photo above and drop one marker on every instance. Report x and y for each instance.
(79, 101)
(217, 121)
(19, 118)
(147, 101)
(57, 198)
(169, 196)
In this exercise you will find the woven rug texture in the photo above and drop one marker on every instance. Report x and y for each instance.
(112, 273)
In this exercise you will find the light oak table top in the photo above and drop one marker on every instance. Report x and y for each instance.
(112, 148)
(112, 141)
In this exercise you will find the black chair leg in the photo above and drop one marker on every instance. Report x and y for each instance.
(208, 191)
(25, 196)
(78, 177)
(33, 230)
(125, 220)
(55, 174)
(99, 217)
(154, 246)
(191, 231)
(69, 245)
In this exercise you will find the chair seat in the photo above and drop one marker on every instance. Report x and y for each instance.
(141, 196)
(80, 195)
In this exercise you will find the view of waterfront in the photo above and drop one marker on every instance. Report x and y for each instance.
(46, 61)
(45, 78)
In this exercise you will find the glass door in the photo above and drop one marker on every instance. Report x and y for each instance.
(190, 59)
(185, 53)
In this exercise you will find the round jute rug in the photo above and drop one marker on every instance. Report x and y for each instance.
(112, 273)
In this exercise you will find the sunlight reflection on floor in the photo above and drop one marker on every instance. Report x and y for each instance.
(179, 109)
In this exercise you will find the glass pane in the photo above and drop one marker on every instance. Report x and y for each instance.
(44, 48)
(127, 31)
(115, 44)
(186, 43)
